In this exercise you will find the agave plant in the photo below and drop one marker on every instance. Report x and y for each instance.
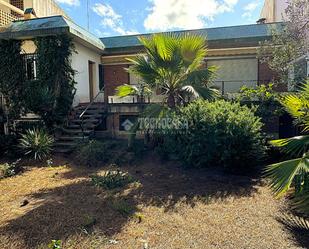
(36, 143)
(173, 65)
(294, 173)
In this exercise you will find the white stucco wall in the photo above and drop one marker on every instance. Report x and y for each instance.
(80, 64)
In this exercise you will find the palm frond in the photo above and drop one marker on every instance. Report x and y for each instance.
(126, 90)
(282, 174)
(296, 146)
(301, 203)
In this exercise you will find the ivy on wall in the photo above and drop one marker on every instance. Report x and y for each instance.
(51, 94)
(12, 76)
(56, 76)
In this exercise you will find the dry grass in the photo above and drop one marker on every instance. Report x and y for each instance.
(167, 208)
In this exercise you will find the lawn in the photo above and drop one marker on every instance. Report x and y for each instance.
(165, 207)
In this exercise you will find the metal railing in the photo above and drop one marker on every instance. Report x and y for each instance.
(93, 101)
(233, 86)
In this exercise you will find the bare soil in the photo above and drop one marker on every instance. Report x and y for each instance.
(167, 207)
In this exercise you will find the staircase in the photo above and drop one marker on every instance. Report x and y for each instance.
(84, 119)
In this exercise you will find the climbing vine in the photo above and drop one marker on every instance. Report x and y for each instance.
(51, 94)
(12, 76)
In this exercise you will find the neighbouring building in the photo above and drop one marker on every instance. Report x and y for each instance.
(11, 10)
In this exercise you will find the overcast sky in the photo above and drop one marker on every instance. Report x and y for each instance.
(122, 17)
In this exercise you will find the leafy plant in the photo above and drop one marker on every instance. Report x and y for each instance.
(289, 42)
(264, 97)
(55, 244)
(123, 207)
(7, 145)
(173, 65)
(294, 173)
(55, 78)
(93, 153)
(12, 76)
(219, 133)
(36, 143)
(9, 169)
(112, 179)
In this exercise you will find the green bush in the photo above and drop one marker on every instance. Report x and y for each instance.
(112, 180)
(8, 145)
(93, 153)
(36, 143)
(9, 169)
(219, 133)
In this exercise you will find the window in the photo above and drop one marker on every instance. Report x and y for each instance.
(30, 61)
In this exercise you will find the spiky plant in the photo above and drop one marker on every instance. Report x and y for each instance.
(294, 173)
(175, 66)
(36, 143)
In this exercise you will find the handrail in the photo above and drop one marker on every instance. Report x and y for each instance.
(91, 103)
(81, 116)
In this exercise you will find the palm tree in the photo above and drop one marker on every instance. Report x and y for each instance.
(294, 173)
(175, 66)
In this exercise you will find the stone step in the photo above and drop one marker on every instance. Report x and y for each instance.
(92, 116)
(64, 144)
(91, 111)
(71, 138)
(90, 121)
(93, 107)
(76, 131)
(78, 126)
(62, 150)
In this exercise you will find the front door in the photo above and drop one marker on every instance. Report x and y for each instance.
(91, 80)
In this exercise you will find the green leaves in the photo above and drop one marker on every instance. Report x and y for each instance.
(282, 174)
(36, 143)
(173, 65)
(296, 146)
(295, 172)
(126, 90)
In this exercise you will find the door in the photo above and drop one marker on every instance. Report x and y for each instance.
(91, 79)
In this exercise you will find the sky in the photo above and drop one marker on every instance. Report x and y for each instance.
(125, 17)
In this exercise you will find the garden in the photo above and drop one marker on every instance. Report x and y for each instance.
(206, 172)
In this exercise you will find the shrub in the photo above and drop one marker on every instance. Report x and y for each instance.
(36, 143)
(220, 133)
(7, 145)
(9, 169)
(123, 207)
(112, 180)
(93, 153)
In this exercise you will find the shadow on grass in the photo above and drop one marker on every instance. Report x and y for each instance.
(298, 227)
(64, 211)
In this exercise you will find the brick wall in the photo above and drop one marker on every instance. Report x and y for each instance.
(266, 75)
(114, 76)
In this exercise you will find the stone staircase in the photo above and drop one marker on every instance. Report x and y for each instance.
(79, 128)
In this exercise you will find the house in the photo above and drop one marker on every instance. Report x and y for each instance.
(102, 62)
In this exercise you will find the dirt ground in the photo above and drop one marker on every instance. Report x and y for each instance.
(166, 207)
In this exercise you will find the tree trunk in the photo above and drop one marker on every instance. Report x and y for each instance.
(171, 101)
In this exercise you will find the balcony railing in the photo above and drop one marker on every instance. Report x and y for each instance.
(6, 18)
